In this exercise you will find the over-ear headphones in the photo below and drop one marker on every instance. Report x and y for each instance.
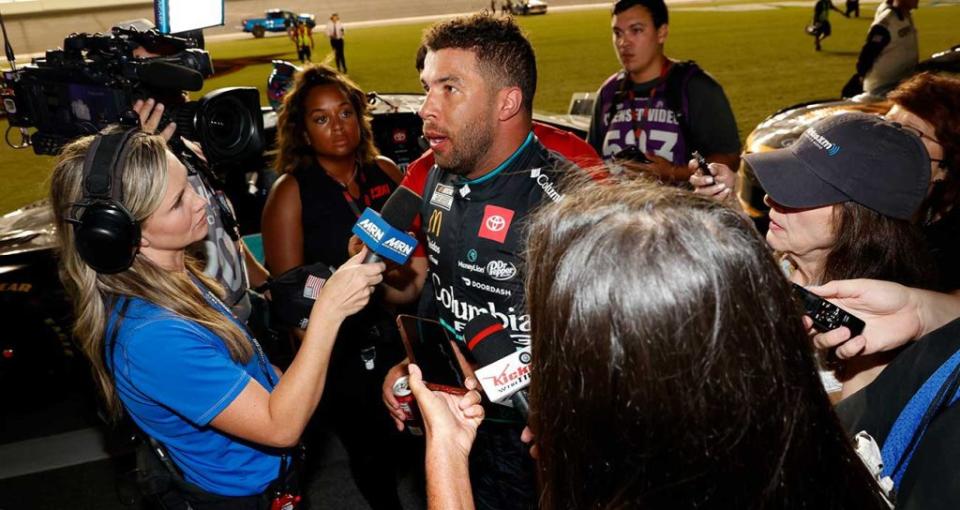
(106, 235)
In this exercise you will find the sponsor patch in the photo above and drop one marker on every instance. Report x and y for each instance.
(435, 223)
(473, 284)
(501, 270)
(442, 196)
(496, 223)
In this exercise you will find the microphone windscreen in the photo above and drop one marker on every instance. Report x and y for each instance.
(401, 208)
(487, 339)
(170, 76)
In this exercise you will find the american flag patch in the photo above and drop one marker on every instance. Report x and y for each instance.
(311, 289)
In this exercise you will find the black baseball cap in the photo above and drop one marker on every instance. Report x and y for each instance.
(848, 157)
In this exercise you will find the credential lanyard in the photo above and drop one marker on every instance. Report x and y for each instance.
(635, 115)
(224, 309)
(352, 202)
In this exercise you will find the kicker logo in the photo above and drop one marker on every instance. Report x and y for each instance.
(508, 377)
(371, 229)
(398, 246)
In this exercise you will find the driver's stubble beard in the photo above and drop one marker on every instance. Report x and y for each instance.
(475, 140)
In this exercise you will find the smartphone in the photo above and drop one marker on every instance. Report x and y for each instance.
(429, 346)
(702, 164)
(827, 316)
(632, 154)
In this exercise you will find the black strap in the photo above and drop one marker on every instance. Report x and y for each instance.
(676, 90)
(101, 179)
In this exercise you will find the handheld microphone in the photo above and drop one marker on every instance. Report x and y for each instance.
(384, 233)
(504, 371)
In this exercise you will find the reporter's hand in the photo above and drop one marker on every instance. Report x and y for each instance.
(450, 420)
(889, 310)
(721, 186)
(354, 245)
(150, 113)
(349, 289)
(389, 399)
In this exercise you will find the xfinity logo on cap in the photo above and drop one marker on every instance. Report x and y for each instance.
(818, 139)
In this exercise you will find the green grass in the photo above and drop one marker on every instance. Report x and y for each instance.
(762, 58)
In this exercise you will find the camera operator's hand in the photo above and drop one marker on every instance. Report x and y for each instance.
(150, 113)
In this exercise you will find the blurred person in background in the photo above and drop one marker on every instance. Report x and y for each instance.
(673, 374)
(330, 171)
(302, 36)
(653, 113)
(890, 53)
(335, 34)
(820, 29)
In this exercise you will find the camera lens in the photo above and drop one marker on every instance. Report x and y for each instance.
(227, 123)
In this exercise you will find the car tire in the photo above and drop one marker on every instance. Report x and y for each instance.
(259, 31)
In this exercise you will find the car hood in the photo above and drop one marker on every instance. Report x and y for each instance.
(28, 229)
(785, 127)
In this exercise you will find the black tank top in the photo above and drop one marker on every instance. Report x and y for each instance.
(326, 213)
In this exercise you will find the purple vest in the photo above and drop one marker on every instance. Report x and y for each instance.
(659, 127)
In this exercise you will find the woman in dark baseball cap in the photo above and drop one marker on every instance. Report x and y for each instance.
(842, 199)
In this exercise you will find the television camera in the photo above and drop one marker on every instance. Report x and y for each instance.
(94, 80)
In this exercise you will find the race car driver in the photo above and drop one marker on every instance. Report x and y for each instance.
(491, 170)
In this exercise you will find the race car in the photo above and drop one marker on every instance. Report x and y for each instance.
(276, 20)
(524, 7)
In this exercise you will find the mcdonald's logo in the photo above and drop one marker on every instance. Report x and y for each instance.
(436, 221)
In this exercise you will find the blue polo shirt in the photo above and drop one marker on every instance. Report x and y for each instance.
(174, 376)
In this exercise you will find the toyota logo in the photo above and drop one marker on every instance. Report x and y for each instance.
(496, 223)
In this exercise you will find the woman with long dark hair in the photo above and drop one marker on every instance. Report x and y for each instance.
(163, 345)
(670, 366)
(330, 172)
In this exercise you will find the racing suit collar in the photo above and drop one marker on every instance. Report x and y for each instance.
(506, 163)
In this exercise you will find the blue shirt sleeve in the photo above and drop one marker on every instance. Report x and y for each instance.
(182, 366)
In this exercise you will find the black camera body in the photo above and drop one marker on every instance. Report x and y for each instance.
(93, 81)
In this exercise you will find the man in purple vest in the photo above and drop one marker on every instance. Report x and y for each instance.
(652, 114)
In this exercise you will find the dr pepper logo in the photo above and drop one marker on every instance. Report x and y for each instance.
(496, 223)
